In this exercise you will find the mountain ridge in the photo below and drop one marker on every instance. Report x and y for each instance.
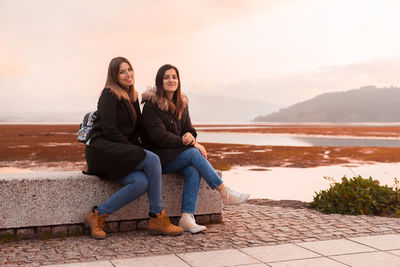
(366, 104)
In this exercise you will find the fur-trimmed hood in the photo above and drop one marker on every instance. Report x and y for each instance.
(161, 102)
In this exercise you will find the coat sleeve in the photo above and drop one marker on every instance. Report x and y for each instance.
(107, 109)
(188, 125)
(156, 130)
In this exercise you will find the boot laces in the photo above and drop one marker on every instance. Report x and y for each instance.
(166, 220)
(100, 221)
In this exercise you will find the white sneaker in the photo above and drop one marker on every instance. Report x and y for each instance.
(188, 223)
(230, 197)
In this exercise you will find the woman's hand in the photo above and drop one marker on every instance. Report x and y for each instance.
(188, 139)
(201, 149)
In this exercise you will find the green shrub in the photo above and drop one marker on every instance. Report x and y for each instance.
(357, 196)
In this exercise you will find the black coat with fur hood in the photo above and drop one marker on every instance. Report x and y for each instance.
(163, 128)
(114, 150)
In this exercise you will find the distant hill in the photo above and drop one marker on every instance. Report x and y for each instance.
(367, 104)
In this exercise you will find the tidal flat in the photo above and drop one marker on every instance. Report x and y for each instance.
(55, 147)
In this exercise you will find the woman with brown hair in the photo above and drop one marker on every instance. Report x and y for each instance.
(173, 139)
(114, 152)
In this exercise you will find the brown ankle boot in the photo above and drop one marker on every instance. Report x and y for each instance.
(96, 224)
(162, 225)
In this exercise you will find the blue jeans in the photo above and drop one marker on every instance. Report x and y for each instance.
(145, 177)
(192, 165)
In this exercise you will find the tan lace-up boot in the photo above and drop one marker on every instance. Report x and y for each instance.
(160, 224)
(96, 224)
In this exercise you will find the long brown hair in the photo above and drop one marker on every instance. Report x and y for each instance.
(176, 105)
(113, 84)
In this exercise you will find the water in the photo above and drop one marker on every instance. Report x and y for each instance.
(14, 170)
(293, 140)
(302, 183)
(290, 183)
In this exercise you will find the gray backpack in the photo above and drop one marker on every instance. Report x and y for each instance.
(85, 128)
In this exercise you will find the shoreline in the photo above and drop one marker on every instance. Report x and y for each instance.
(55, 146)
(314, 130)
(307, 135)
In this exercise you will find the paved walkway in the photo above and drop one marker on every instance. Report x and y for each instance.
(251, 235)
(381, 250)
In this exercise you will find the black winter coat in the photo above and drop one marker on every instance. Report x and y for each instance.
(114, 149)
(163, 128)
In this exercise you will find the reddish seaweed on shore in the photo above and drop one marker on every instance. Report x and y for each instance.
(55, 146)
(300, 157)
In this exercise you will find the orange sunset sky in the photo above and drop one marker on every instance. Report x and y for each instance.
(54, 54)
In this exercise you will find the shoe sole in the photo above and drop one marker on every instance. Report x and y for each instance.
(195, 232)
(156, 232)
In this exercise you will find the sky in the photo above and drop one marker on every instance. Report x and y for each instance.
(54, 54)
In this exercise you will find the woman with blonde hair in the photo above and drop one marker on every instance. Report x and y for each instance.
(114, 152)
(173, 139)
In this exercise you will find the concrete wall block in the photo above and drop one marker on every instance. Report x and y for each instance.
(59, 229)
(111, 227)
(44, 231)
(25, 233)
(216, 218)
(7, 232)
(202, 219)
(142, 224)
(125, 226)
(62, 198)
(74, 229)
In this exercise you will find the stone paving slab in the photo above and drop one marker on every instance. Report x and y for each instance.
(371, 259)
(85, 264)
(243, 226)
(217, 258)
(335, 247)
(316, 262)
(252, 265)
(394, 252)
(385, 242)
(166, 261)
(279, 253)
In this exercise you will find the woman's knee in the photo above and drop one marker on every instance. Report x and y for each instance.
(152, 157)
(191, 173)
(194, 152)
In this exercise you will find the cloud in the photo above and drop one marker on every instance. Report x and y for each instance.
(55, 53)
(294, 87)
(107, 17)
(12, 70)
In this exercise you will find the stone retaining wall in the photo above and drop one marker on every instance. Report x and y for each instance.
(32, 204)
